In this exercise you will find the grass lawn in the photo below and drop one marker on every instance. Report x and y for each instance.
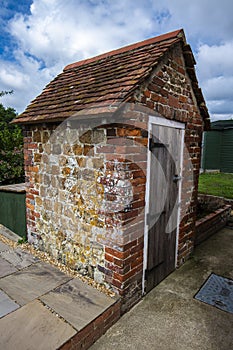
(218, 184)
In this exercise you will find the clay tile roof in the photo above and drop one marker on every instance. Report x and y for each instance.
(103, 81)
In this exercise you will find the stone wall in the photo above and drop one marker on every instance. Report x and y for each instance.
(85, 199)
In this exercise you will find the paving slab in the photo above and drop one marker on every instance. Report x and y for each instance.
(19, 258)
(6, 232)
(6, 268)
(32, 282)
(33, 327)
(4, 247)
(77, 302)
(6, 304)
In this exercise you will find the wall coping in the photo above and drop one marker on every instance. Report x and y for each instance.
(18, 188)
(212, 215)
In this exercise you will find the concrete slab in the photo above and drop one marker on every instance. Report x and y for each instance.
(169, 318)
(77, 302)
(32, 282)
(33, 327)
(4, 247)
(19, 258)
(6, 232)
(6, 304)
(6, 268)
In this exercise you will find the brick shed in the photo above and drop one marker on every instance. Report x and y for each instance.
(112, 157)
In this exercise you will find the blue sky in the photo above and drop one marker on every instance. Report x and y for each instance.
(39, 37)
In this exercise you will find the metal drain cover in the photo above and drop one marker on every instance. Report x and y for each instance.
(217, 291)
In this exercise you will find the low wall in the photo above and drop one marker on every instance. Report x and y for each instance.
(211, 223)
(94, 330)
(212, 203)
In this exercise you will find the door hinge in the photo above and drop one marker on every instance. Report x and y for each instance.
(153, 144)
(153, 217)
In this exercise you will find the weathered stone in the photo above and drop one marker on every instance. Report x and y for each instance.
(98, 163)
(31, 282)
(62, 160)
(19, 258)
(41, 323)
(78, 149)
(45, 136)
(66, 171)
(6, 268)
(7, 305)
(88, 150)
(40, 147)
(55, 170)
(86, 137)
(47, 148)
(98, 136)
(98, 276)
(67, 149)
(4, 247)
(77, 302)
(36, 136)
(39, 201)
(81, 162)
(37, 157)
(56, 148)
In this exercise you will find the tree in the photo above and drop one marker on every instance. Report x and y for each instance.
(11, 147)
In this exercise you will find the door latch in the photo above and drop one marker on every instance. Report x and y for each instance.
(176, 178)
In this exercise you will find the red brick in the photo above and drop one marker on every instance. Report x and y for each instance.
(123, 278)
(116, 253)
(147, 93)
(173, 101)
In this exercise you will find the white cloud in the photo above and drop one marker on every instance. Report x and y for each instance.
(218, 88)
(59, 32)
(203, 19)
(215, 60)
(215, 71)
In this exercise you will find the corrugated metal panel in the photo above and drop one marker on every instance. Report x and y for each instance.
(211, 150)
(226, 155)
(13, 212)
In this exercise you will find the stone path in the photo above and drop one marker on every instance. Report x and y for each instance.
(40, 306)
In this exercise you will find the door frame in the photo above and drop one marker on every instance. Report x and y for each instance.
(160, 121)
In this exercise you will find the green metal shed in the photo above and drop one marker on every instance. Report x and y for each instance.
(13, 208)
(218, 147)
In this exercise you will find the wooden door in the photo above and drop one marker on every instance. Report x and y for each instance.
(162, 217)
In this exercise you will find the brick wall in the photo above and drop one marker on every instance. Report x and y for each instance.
(212, 223)
(86, 193)
(169, 92)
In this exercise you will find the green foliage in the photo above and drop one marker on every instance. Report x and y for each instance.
(22, 240)
(11, 147)
(217, 184)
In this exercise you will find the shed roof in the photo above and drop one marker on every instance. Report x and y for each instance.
(222, 124)
(104, 81)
